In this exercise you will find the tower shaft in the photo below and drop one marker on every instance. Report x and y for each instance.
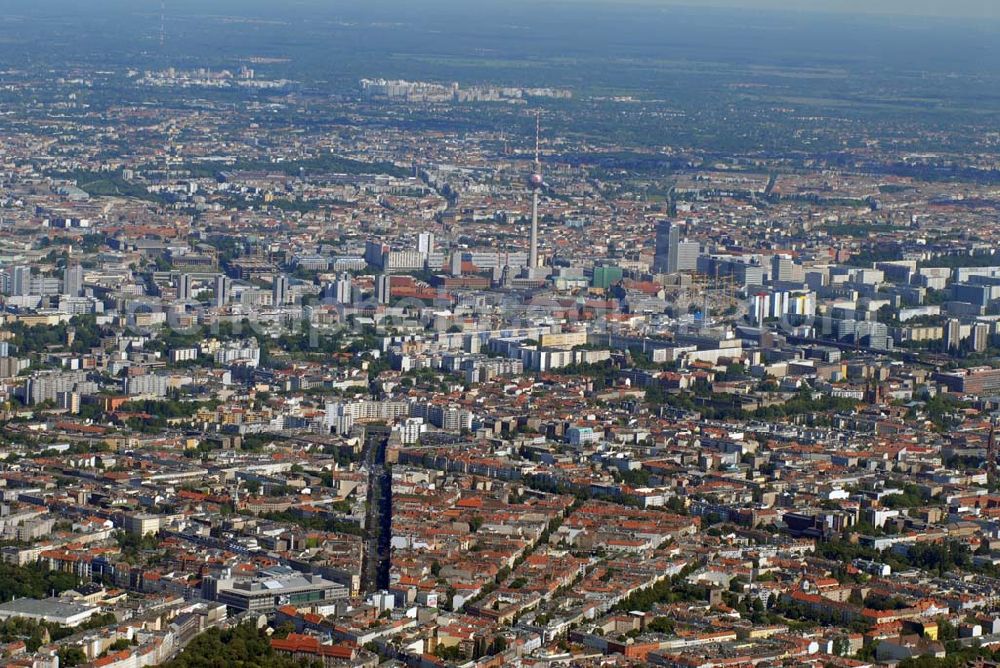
(533, 248)
(536, 183)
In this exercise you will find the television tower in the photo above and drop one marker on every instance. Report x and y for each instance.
(535, 183)
(163, 22)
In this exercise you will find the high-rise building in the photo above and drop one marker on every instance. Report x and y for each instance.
(375, 252)
(952, 335)
(342, 290)
(383, 288)
(759, 307)
(425, 243)
(223, 288)
(403, 260)
(980, 337)
(20, 281)
(73, 281)
(668, 238)
(185, 286)
(45, 386)
(784, 270)
(280, 290)
(493, 260)
(606, 276)
(687, 255)
(45, 285)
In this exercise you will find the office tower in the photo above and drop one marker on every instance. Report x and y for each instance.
(425, 243)
(687, 255)
(20, 284)
(952, 335)
(184, 287)
(784, 269)
(73, 281)
(456, 263)
(383, 289)
(535, 184)
(223, 288)
(279, 290)
(667, 242)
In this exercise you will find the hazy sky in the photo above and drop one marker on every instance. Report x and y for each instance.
(975, 9)
(966, 8)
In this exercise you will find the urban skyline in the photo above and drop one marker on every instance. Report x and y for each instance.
(585, 334)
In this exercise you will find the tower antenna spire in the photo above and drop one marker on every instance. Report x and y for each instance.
(538, 141)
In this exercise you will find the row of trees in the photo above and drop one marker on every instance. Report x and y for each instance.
(33, 581)
(675, 589)
(804, 403)
(242, 646)
(935, 557)
(316, 523)
(35, 634)
(39, 338)
(167, 408)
